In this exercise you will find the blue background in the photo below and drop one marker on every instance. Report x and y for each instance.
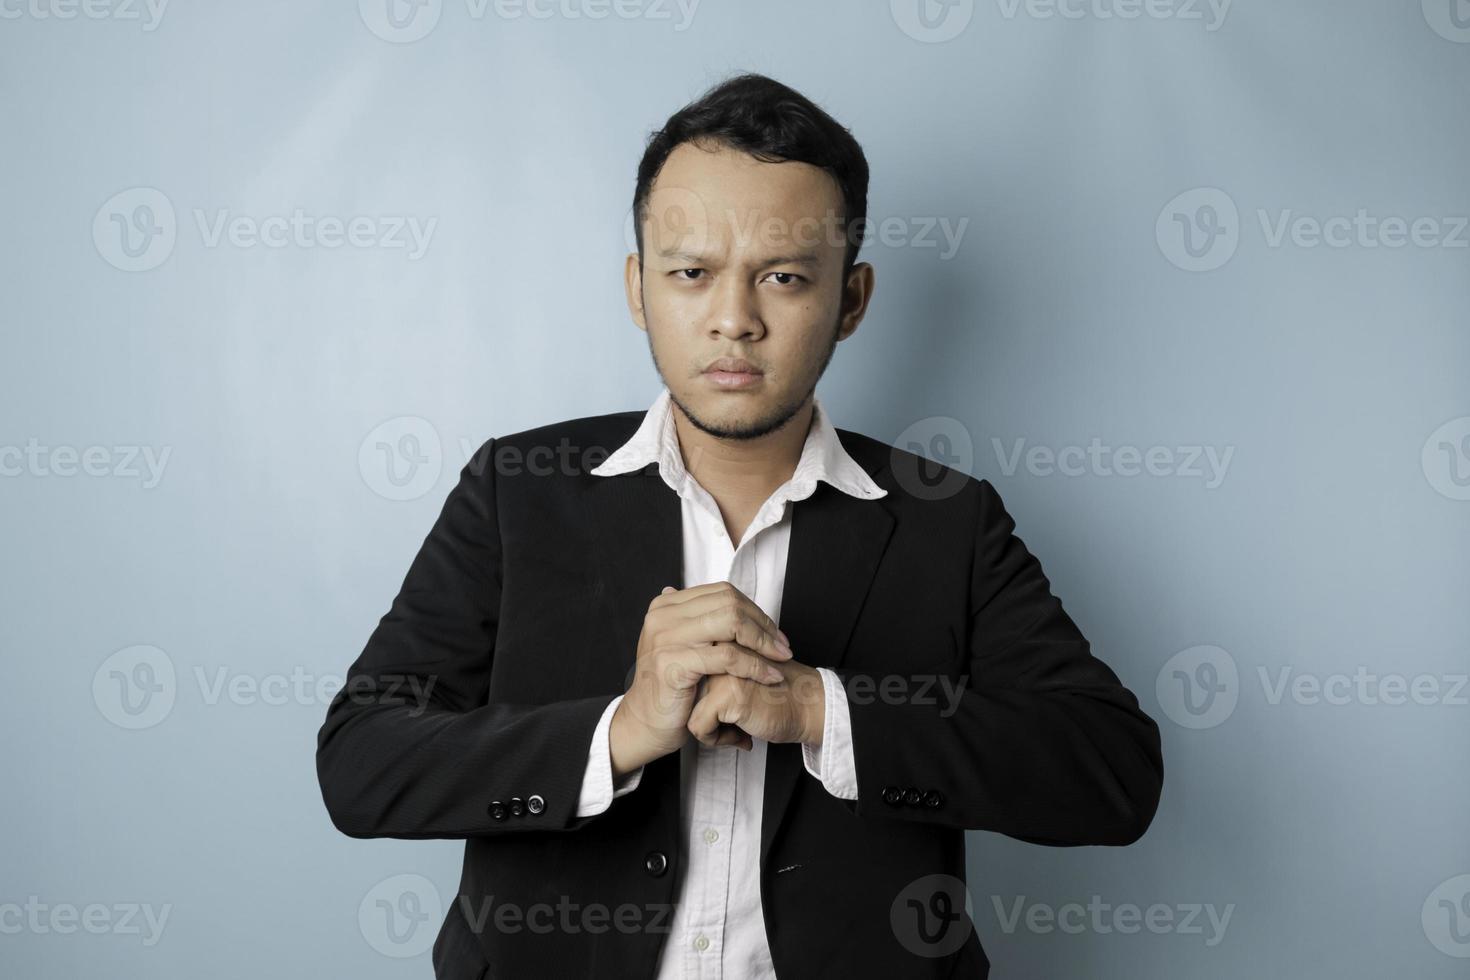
(1137, 267)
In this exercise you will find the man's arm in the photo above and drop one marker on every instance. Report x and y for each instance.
(410, 748)
(1042, 743)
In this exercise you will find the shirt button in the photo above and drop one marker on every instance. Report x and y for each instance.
(701, 943)
(711, 835)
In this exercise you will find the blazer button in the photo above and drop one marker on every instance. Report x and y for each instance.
(498, 810)
(535, 803)
(933, 799)
(517, 806)
(912, 796)
(656, 863)
(892, 795)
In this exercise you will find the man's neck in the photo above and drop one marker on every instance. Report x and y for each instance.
(740, 474)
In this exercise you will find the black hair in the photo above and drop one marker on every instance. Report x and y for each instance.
(773, 123)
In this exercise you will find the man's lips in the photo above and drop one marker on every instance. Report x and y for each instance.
(733, 372)
(732, 365)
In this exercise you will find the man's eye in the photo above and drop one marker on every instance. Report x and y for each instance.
(680, 272)
(789, 275)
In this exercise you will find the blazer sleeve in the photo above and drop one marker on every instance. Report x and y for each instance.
(410, 747)
(1042, 743)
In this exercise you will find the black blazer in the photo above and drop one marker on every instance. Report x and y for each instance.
(470, 712)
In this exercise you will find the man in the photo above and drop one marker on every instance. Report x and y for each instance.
(584, 678)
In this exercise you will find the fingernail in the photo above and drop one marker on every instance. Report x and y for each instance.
(784, 648)
(782, 634)
(772, 674)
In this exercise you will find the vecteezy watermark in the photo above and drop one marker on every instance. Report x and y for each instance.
(932, 458)
(64, 918)
(137, 687)
(400, 916)
(122, 462)
(931, 916)
(1446, 917)
(932, 21)
(1104, 918)
(1210, 13)
(1450, 19)
(937, 21)
(1200, 230)
(930, 690)
(149, 13)
(406, 21)
(1200, 687)
(1445, 459)
(566, 917)
(680, 221)
(1207, 463)
(136, 230)
(401, 458)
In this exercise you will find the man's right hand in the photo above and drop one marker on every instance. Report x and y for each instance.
(689, 635)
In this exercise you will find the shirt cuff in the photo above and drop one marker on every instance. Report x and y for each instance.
(832, 762)
(598, 790)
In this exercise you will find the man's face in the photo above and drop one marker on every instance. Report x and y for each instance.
(743, 259)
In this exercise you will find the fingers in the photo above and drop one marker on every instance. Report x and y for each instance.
(732, 735)
(731, 658)
(717, 612)
(721, 705)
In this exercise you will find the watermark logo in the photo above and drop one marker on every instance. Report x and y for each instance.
(123, 462)
(1446, 917)
(1445, 459)
(1211, 13)
(1450, 19)
(135, 230)
(1104, 918)
(932, 458)
(1207, 463)
(1199, 230)
(149, 13)
(400, 21)
(135, 687)
(931, 916)
(932, 21)
(402, 458)
(400, 916)
(65, 918)
(1198, 687)
(406, 21)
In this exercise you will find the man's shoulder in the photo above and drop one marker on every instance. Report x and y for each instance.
(582, 430)
(912, 474)
(570, 448)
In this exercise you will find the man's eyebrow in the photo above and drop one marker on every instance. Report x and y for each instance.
(807, 259)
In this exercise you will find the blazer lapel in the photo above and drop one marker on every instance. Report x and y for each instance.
(836, 544)
(637, 525)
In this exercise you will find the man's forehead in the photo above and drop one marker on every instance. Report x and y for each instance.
(717, 181)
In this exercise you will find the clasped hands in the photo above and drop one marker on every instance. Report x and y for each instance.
(713, 666)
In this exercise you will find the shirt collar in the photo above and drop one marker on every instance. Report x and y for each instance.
(822, 455)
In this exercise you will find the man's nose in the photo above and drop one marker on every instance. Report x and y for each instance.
(734, 311)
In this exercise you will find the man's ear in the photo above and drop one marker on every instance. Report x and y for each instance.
(633, 287)
(857, 291)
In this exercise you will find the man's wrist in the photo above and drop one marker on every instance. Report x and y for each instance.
(814, 710)
(624, 749)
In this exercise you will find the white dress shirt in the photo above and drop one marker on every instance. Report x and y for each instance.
(718, 928)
